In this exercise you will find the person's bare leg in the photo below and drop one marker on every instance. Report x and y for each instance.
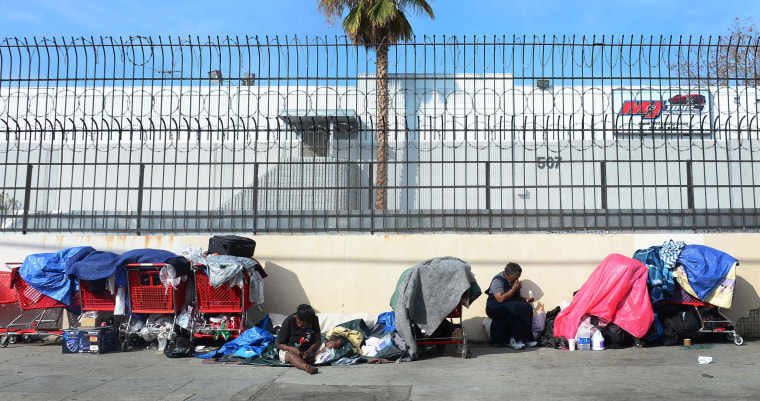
(299, 363)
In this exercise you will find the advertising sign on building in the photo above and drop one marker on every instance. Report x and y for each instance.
(661, 111)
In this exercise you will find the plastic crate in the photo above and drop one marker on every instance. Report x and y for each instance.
(148, 295)
(224, 299)
(7, 294)
(104, 301)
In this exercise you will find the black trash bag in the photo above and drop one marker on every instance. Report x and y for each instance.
(615, 337)
(181, 348)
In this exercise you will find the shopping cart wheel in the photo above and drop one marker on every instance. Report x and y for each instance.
(124, 346)
(12, 339)
(466, 352)
(738, 340)
(26, 338)
(4, 341)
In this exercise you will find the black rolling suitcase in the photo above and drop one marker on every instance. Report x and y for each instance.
(231, 245)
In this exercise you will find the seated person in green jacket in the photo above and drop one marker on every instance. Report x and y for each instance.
(299, 339)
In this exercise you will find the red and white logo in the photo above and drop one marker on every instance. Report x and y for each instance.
(647, 109)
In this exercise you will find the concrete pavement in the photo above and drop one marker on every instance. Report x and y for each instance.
(39, 371)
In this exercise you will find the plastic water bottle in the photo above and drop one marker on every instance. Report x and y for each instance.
(584, 338)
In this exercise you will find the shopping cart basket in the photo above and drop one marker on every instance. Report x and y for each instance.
(458, 335)
(95, 301)
(232, 301)
(8, 298)
(711, 318)
(147, 295)
(46, 322)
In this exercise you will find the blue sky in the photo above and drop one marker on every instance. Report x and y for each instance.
(77, 18)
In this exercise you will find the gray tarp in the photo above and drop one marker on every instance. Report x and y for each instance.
(429, 292)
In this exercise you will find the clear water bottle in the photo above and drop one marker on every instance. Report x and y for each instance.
(583, 342)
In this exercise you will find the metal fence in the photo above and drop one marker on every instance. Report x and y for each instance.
(279, 134)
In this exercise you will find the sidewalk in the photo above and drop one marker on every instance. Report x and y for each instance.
(38, 371)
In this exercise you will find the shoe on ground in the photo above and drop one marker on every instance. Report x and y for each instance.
(516, 344)
(532, 344)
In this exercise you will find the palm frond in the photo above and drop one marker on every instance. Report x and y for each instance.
(382, 12)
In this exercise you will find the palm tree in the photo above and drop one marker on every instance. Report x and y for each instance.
(377, 24)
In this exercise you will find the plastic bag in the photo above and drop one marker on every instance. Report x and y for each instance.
(169, 277)
(539, 321)
(180, 348)
(325, 355)
(185, 319)
(120, 301)
(256, 290)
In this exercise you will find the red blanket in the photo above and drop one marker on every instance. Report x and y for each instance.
(615, 292)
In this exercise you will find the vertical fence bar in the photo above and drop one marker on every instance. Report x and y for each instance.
(140, 195)
(27, 197)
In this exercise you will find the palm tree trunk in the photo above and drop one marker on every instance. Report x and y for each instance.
(381, 183)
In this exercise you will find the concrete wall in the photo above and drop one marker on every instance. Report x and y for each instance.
(358, 273)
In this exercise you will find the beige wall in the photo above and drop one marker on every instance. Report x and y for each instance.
(358, 273)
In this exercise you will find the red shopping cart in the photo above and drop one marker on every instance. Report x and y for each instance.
(46, 322)
(458, 335)
(8, 299)
(148, 295)
(95, 301)
(229, 300)
(711, 318)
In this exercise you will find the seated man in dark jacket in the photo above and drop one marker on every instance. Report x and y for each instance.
(512, 314)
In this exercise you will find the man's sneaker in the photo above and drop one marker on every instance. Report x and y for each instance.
(516, 344)
(532, 344)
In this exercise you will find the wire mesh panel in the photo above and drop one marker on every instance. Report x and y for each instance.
(224, 299)
(93, 300)
(284, 134)
(148, 295)
(7, 293)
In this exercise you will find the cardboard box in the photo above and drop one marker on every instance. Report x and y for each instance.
(94, 320)
(90, 341)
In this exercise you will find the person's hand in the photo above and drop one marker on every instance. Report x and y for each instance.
(529, 299)
(517, 285)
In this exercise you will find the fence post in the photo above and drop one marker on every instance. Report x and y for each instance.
(689, 186)
(603, 178)
(27, 198)
(140, 197)
(488, 187)
(255, 201)
(371, 201)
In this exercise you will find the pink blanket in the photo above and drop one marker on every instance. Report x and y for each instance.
(615, 292)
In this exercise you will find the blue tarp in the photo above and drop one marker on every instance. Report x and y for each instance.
(46, 272)
(705, 268)
(251, 342)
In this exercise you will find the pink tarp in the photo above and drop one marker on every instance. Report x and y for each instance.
(616, 292)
